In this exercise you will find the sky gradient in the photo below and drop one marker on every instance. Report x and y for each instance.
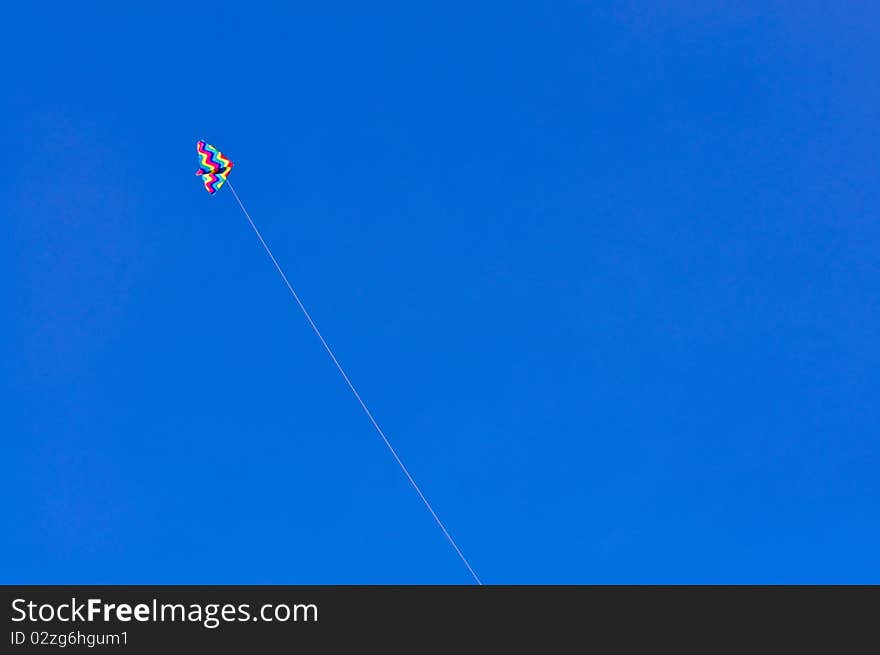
(606, 274)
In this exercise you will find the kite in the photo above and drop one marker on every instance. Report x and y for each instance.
(214, 166)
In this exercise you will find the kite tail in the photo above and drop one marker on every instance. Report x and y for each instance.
(353, 389)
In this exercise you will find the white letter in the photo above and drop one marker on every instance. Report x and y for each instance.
(19, 610)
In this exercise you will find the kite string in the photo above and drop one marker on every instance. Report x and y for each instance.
(352, 387)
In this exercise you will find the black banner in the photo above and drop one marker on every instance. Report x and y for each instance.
(244, 619)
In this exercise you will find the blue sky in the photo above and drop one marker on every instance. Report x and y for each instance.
(606, 273)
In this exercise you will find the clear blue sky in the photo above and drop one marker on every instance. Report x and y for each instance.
(607, 273)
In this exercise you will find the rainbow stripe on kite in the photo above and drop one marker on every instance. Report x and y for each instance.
(214, 166)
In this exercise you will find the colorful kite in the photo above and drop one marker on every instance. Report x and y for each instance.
(214, 167)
